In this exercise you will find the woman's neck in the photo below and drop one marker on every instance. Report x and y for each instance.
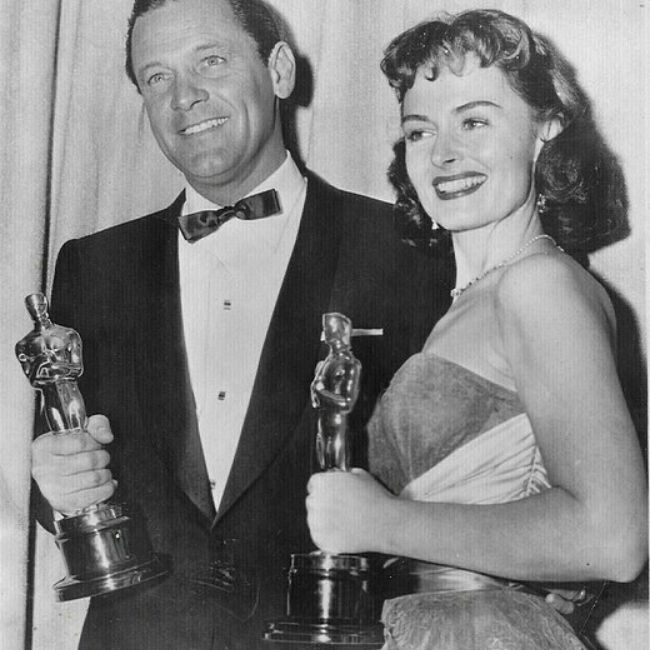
(479, 250)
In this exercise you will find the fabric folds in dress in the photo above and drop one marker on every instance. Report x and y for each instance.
(442, 433)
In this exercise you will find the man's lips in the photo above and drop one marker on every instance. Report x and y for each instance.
(205, 125)
(452, 187)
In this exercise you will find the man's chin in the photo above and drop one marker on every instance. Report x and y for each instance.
(208, 169)
(215, 173)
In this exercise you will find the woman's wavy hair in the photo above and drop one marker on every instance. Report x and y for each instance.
(575, 172)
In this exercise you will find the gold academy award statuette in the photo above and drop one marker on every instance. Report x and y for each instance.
(328, 598)
(102, 550)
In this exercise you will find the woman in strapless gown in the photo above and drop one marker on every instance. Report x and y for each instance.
(444, 433)
(503, 453)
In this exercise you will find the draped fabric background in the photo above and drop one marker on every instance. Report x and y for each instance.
(76, 156)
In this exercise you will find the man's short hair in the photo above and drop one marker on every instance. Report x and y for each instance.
(253, 15)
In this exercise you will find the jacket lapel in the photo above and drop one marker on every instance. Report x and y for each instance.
(290, 352)
(168, 397)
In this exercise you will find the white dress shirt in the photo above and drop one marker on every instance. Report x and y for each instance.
(230, 282)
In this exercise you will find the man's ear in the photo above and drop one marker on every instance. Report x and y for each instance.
(282, 68)
(547, 131)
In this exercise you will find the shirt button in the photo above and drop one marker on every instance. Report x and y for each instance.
(227, 304)
(222, 395)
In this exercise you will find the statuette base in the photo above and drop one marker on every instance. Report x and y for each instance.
(328, 603)
(103, 553)
(369, 636)
(71, 589)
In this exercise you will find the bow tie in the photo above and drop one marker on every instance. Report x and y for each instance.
(199, 224)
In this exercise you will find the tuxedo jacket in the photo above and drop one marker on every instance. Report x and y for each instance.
(119, 289)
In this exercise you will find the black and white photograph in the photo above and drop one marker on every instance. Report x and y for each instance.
(324, 325)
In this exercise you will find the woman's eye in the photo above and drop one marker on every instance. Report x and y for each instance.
(417, 135)
(472, 123)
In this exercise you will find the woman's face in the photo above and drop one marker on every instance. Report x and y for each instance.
(471, 143)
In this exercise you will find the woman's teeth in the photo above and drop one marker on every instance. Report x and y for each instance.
(459, 185)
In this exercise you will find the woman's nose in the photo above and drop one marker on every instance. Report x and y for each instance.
(445, 150)
(187, 93)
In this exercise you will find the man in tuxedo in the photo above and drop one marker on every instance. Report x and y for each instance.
(201, 334)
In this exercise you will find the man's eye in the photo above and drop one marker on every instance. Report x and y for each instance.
(213, 60)
(155, 79)
(211, 65)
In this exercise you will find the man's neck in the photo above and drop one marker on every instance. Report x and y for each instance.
(232, 190)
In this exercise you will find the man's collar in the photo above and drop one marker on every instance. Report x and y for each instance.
(286, 180)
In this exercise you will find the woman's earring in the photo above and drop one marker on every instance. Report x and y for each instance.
(434, 225)
(541, 204)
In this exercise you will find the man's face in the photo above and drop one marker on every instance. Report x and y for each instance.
(209, 96)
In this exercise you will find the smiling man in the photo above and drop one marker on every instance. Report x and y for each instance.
(210, 96)
(201, 332)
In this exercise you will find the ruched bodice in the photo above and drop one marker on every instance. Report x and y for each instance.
(442, 433)
(439, 420)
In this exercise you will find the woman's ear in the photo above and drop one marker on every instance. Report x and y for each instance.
(547, 131)
(552, 128)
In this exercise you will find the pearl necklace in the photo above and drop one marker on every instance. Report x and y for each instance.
(458, 291)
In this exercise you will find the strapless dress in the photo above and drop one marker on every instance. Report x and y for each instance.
(442, 433)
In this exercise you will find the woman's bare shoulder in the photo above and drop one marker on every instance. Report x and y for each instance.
(542, 280)
(551, 289)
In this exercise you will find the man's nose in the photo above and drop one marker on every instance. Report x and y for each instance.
(445, 150)
(187, 93)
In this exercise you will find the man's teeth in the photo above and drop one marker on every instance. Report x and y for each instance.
(447, 187)
(204, 126)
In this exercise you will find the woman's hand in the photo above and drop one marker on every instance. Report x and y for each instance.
(348, 512)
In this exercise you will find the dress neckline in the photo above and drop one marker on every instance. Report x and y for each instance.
(471, 373)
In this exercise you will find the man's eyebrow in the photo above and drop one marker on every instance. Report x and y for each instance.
(198, 49)
(146, 66)
(210, 46)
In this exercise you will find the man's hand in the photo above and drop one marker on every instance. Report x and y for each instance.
(565, 600)
(71, 467)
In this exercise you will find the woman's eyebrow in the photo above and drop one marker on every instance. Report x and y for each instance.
(474, 104)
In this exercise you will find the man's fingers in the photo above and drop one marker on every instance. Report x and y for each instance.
(65, 443)
(75, 441)
(100, 429)
(71, 467)
(86, 461)
(86, 481)
(560, 604)
(71, 493)
(75, 501)
(577, 596)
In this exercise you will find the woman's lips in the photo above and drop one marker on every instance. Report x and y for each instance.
(452, 187)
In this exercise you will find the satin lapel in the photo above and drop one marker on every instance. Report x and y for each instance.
(166, 391)
(289, 356)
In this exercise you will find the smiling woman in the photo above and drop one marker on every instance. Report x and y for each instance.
(475, 116)
(503, 453)
(77, 156)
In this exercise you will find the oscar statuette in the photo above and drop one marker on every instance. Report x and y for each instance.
(329, 601)
(102, 550)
